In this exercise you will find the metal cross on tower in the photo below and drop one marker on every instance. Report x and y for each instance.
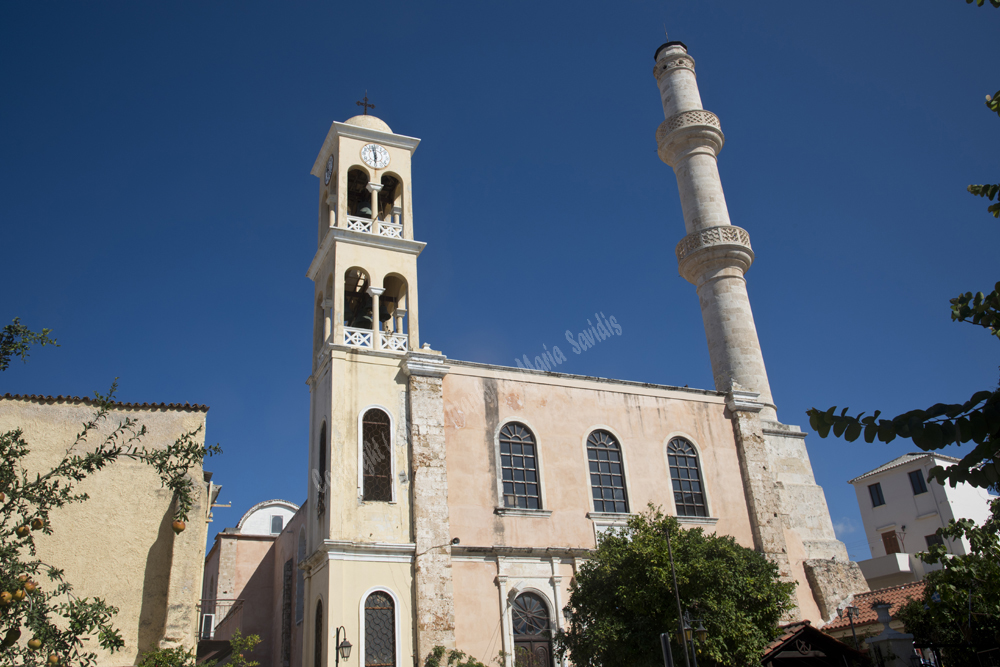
(365, 104)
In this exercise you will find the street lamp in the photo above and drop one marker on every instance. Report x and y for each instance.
(343, 647)
(667, 656)
(690, 633)
(851, 613)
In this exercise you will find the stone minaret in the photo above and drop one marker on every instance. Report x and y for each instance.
(789, 517)
(715, 254)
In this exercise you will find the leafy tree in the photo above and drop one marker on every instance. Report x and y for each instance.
(16, 339)
(41, 620)
(961, 603)
(623, 597)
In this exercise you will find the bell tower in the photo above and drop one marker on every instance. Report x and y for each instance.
(377, 514)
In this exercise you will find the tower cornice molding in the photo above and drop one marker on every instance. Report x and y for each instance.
(362, 134)
(335, 234)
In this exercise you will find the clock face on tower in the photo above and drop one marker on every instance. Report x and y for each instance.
(375, 156)
(329, 171)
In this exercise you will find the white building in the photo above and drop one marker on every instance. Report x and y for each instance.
(902, 511)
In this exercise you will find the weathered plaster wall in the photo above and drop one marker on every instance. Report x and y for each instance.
(562, 412)
(119, 545)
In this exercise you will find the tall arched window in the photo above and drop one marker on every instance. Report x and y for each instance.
(519, 467)
(300, 579)
(529, 616)
(607, 475)
(376, 456)
(321, 467)
(320, 632)
(685, 473)
(380, 630)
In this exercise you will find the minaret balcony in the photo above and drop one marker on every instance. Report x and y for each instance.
(392, 230)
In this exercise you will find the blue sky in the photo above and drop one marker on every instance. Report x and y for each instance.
(158, 214)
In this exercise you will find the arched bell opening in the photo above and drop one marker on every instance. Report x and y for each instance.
(357, 300)
(359, 198)
(392, 305)
(390, 199)
(319, 320)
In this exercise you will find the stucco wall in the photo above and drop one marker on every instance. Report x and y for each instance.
(119, 544)
(561, 412)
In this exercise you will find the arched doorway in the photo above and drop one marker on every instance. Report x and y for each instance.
(532, 632)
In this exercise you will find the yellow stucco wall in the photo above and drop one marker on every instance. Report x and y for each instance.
(119, 545)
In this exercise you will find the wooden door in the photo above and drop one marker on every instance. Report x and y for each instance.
(891, 543)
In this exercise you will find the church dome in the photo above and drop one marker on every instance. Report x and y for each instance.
(371, 122)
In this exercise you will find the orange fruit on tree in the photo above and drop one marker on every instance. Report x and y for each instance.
(30, 586)
(179, 526)
(35, 644)
(37, 523)
(19, 594)
(53, 659)
(22, 531)
(5, 598)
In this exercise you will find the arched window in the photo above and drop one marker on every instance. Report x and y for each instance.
(320, 632)
(519, 467)
(689, 494)
(532, 636)
(321, 468)
(300, 579)
(357, 300)
(607, 475)
(380, 630)
(376, 454)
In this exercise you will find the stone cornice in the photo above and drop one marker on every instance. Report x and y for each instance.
(741, 400)
(335, 234)
(426, 365)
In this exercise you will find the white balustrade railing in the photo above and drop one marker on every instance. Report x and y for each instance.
(359, 224)
(393, 231)
(394, 342)
(358, 337)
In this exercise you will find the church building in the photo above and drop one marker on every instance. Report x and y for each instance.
(451, 502)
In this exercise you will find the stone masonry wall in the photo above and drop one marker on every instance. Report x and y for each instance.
(435, 602)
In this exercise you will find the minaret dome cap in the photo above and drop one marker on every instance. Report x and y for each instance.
(656, 56)
(369, 121)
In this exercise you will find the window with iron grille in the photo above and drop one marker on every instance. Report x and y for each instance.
(917, 482)
(380, 630)
(607, 475)
(376, 456)
(318, 636)
(685, 474)
(933, 539)
(519, 467)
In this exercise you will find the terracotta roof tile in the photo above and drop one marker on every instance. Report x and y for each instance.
(38, 398)
(787, 632)
(897, 596)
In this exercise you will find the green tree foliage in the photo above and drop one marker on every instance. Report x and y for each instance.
(16, 340)
(961, 603)
(42, 621)
(979, 3)
(623, 597)
(442, 657)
